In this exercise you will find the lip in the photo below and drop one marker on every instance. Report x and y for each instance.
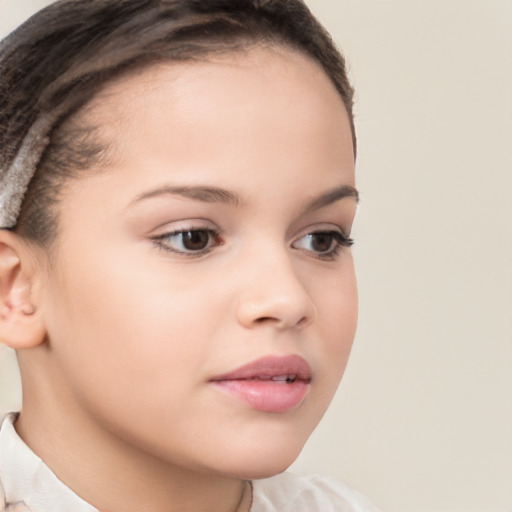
(269, 384)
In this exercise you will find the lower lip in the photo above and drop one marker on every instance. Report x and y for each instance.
(266, 395)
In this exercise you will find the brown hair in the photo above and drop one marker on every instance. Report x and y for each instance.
(61, 57)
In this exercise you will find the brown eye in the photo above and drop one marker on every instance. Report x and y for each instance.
(189, 242)
(321, 242)
(196, 240)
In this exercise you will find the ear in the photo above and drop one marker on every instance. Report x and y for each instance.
(21, 322)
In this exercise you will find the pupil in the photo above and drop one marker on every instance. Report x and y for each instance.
(322, 242)
(195, 240)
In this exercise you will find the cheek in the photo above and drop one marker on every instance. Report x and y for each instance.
(337, 310)
(122, 334)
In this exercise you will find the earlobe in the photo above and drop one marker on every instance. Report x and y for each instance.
(21, 322)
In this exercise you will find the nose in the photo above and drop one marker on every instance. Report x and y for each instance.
(274, 295)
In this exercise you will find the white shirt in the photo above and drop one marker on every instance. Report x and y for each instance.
(25, 478)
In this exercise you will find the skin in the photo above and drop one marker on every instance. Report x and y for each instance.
(118, 337)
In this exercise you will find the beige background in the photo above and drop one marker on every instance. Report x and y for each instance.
(423, 419)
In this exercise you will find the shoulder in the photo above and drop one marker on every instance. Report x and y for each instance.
(3, 416)
(290, 493)
(7, 419)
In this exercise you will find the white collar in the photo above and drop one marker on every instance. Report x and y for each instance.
(26, 478)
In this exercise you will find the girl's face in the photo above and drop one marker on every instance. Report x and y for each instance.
(210, 256)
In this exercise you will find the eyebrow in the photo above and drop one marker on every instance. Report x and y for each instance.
(331, 196)
(208, 194)
(199, 193)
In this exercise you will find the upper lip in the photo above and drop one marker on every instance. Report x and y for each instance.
(270, 366)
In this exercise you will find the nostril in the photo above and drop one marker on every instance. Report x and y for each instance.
(264, 319)
(302, 322)
(274, 320)
(279, 309)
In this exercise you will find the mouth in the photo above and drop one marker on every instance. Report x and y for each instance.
(288, 379)
(270, 384)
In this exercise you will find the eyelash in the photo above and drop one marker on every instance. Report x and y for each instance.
(342, 241)
(162, 242)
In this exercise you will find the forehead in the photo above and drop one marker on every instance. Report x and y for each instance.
(267, 124)
(258, 87)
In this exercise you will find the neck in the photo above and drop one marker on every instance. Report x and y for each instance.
(113, 475)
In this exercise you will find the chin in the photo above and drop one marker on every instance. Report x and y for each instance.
(263, 472)
(257, 471)
(264, 459)
(265, 447)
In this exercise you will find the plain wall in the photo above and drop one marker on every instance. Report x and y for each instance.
(423, 419)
